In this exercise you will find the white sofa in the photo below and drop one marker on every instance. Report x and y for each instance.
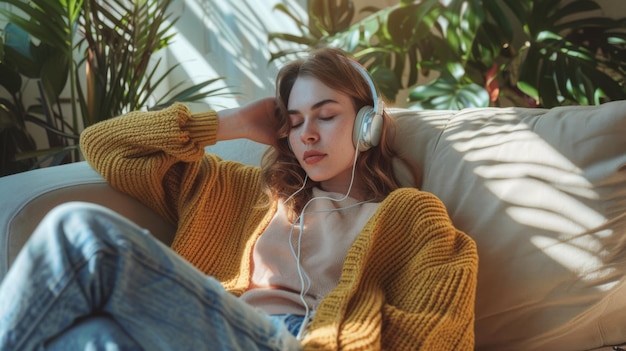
(543, 193)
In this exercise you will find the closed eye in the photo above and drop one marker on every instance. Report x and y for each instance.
(295, 120)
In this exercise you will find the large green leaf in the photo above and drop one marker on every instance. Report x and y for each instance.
(20, 53)
(54, 73)
(19, 40)
(405, 25)
(10, 79)
(446, 93)
(51, 22)
(14, 139)
(386, 81)
(330, 17)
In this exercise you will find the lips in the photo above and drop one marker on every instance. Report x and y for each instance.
(311, 157)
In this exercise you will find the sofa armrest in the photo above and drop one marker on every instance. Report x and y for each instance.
(28, 196)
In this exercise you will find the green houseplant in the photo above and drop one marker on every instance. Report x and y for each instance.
(471, 53)
(14, 138)
(105, 51)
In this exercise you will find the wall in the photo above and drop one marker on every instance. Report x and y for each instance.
(229, 38)
(224, 37)
(613, 8)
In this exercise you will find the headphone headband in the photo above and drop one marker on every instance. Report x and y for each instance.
(378, 103)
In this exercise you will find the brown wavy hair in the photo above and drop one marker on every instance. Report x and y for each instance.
(281, 172)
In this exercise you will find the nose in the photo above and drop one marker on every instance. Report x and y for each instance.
(310, 132)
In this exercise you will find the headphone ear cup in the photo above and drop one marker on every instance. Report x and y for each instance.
(367, 129)
(357, 132)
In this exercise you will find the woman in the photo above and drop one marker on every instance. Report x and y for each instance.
(317, 249)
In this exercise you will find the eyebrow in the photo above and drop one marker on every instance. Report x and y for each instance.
(315, 106)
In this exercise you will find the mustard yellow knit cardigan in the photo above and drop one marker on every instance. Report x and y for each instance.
(408, 281)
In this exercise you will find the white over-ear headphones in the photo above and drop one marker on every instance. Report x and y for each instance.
(368, 125)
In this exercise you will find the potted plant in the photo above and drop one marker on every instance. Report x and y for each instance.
(14, 138)
(105, 50)
(477, 53)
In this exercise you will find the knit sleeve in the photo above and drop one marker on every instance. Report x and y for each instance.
(155, 156)
(431, 279)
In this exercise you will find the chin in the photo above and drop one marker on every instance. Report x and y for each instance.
(316, 179)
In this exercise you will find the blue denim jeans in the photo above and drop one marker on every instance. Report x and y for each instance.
(94, 333)
(91, 277)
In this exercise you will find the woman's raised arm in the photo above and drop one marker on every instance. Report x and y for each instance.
(255, 121)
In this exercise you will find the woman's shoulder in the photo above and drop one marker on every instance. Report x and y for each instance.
(424, 212)
(401, 196)
(412, 204)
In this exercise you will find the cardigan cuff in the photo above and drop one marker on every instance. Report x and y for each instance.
(202, 127)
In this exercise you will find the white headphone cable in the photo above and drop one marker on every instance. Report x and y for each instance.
(304, 287)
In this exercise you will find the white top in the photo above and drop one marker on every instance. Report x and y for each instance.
(330, 228)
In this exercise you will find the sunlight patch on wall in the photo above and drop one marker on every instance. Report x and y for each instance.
(229, 39)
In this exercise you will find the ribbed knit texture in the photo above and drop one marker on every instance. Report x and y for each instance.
(408, 281)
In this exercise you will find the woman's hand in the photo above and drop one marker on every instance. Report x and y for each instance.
(255, 121)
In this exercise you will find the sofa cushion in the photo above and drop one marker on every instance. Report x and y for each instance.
(29, 196)
(543, 194)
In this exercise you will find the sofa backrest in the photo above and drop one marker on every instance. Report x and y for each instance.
(543, 194)
(27, 197)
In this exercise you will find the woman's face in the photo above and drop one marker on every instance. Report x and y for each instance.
(322, 120)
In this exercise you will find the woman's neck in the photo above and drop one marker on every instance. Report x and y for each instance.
(356, 191)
